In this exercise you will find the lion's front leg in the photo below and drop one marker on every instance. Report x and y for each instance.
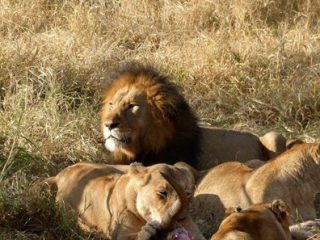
(151, 230)
(127, 226)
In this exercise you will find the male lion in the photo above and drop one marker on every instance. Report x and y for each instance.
(262, 221)
(127, 202)
(293, 176)
(144, 118)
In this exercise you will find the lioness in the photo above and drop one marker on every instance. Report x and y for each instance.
(144, 118)
(127, 202)
(293, 176)
(264, 221)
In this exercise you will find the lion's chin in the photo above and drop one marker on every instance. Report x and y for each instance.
(113, 144)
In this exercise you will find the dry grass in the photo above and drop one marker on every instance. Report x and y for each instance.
(251, 65)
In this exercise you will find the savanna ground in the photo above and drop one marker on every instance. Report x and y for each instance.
(249, 65)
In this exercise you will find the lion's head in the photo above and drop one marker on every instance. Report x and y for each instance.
(162, 198)
(161, 193)
(145, 118)
(258, 221)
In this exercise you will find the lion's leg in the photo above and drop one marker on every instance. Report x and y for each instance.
(127, 226)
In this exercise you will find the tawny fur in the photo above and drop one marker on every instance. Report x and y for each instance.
(145, 118)
(293, 176)
(268, 221)
(127, 202)
(223, 145)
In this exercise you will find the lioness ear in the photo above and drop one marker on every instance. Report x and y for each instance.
(280, 209)
(135, 168)
(293, 142)
(193, 172)
(230, 210)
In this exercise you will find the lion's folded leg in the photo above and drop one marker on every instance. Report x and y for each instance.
(148, 231)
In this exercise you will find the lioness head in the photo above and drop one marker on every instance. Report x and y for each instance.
(258, 221)
(163, 192)
(144, 118)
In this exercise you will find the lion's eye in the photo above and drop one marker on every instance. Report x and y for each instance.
(110, 105)
(163, 194)
(189, 194)
(133, 107)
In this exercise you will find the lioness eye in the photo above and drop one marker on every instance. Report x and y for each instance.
(163, 194)
(189, 194)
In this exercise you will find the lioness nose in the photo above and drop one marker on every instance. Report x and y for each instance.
(111, 125)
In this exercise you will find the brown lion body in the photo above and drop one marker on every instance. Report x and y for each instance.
(292, 176)
(127, 202)
(144, 118)
(264, 221)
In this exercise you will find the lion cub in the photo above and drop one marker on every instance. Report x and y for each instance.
(127, 201)
(257, 222)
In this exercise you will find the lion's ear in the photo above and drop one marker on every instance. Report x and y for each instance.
(280, 209)
(135, 168)
(317, 153)
(230, 210)
(293, 142)
(190, 170)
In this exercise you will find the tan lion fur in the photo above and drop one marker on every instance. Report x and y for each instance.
(293, 176)
(127, 201)
(264, 221)
(145, 118)
(222, 145)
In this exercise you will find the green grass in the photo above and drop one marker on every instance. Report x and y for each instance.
(249, 65)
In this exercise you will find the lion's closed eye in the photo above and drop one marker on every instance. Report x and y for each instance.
(162, 194)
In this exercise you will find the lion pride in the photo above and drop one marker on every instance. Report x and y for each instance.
(293, 176)
(145, 118)
(263, 221)
(128, 201)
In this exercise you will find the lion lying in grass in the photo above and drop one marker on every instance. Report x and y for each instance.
(262, 221)
(222, 145)
(144, 118)
(127, 202)
(293, 176)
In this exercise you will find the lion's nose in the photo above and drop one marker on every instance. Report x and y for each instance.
(112, 124)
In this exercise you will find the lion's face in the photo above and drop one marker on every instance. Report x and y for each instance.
(156, 199)
(133, 119)
(162, 194)
(144, 118)
(123, 119)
